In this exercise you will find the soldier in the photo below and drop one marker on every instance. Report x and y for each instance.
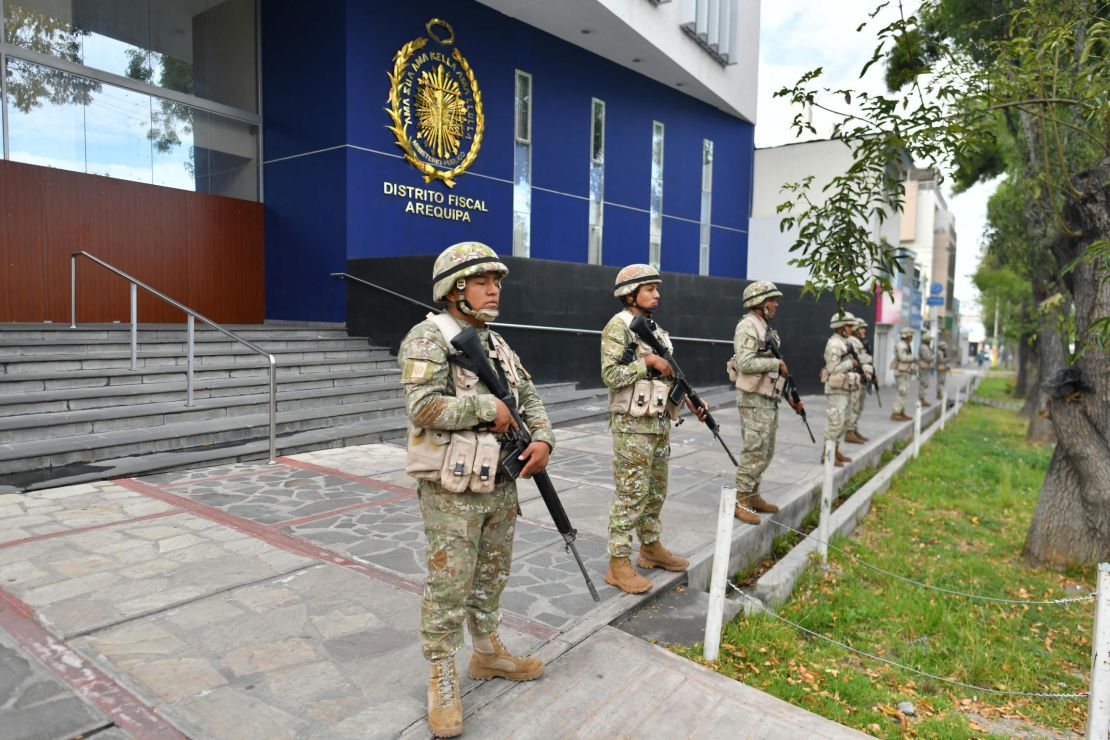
(924, 367)
(758, 377)
(942, 367)
(640, 418)
(840, 376)
(469, 511)
(903, 366)
(855, 407)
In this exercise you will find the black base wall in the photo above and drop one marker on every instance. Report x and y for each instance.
(577, 296)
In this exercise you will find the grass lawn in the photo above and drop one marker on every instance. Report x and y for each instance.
(954, 518)
(998, 386)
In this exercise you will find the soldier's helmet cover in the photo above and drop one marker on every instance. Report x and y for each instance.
(943, 344)
(460, 261)
(841, 319)
(633, 276)
(760, 291)
(906, 332)
(859, 323)
(927, 338)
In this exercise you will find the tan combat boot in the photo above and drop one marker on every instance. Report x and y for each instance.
(860, 436)
(445, 717)
(925, 403)
(491, 659)
(757, 502)
(852, 438)
(743, 507)
(899, 416)
(654, 555)
(622, 575)
(840, 459)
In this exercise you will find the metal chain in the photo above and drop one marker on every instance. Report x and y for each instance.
(911, 581)
(864, 653)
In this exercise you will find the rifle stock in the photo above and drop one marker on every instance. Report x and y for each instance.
(470, 346)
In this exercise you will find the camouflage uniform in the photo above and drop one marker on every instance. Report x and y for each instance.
(759, 414)
(856, 397)
(837, 362)
(942, 368)
(641, 450)
(470, 535)
(903, 365)
(924, 367)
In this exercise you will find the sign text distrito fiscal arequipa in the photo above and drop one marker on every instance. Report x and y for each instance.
(434, 204)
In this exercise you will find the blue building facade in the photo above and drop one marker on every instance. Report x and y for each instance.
(332, 169)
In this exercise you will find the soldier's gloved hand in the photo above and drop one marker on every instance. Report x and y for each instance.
(659, 365)
(799, 407)
(783, 372)
(536, 455)
(504, 418)
(699, 411)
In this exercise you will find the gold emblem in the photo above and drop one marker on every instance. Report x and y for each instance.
(435, 105)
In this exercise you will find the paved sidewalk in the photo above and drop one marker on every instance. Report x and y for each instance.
(282, 601)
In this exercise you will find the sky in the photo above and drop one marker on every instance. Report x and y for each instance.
(800, 35)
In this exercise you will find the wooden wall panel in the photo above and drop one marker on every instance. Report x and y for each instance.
(203, 250)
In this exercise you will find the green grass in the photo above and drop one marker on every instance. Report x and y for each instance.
(954, 518)
(997, 387)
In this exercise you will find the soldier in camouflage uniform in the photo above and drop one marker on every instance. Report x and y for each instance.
(867, 370)
(840, 376)
(924, 367)
(640, 420)
(942, 367)
(904, 367)
(758, 377)
(469, 533)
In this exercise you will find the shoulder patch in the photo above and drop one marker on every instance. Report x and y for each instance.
(750, 343)
(418, 371)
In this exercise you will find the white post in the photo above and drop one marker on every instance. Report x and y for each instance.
(943, 407)
(917, 430)
(826, 502)
(1098, 702)
(719, 578)
(134, 326)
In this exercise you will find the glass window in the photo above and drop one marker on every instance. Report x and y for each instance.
(205, 48)
(706, 205)
(522, 166)
(57, 119)
(597, 182)
(655, 227)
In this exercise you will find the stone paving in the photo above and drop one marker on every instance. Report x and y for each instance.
(282, 600)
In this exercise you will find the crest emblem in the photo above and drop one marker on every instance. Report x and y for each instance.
(435, 106)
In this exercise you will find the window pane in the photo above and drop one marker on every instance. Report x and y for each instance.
(117, 125)
(523, 107)
(46, 115)
(225, 156)
(597, 131)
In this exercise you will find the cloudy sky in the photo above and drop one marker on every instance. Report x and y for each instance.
(799, 35)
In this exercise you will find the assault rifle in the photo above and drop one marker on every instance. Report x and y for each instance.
(515, 441)
(790, 388)
(681, 390)
(874, 382)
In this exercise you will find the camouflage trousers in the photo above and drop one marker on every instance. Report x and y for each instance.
(855, 409)
(837, 415)
(942, 377)
(922, 384)
(903, 382)
(758, 426)
(640, 472)
(470, 550)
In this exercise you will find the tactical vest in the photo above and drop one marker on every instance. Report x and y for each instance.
(903, 366)
(462, 459)
(649, 396)
(848, 381)
(764, 384)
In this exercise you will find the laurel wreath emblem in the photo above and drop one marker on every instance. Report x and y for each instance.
(400, 62)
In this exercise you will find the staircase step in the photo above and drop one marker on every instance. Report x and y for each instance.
(121, 332)
(20, 364)
(210, 344)
(41, 426)
(76, 399)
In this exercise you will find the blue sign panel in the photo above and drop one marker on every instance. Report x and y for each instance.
(935, 300)
(936, 288)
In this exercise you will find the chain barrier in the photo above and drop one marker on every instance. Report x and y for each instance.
(864, 653)
(911, 581)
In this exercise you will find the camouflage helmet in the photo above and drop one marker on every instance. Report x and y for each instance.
(460, 261)
(859, 323)
(633, 276)
(906, 332)
(927, 338)
(943, 344)
(841, 319)
(760, 291)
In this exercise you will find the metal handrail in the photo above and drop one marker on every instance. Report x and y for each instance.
(504, 325)
(190, 331)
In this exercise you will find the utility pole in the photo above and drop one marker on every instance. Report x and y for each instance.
(994, 349)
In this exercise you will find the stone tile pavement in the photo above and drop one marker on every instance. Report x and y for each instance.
(282, 601)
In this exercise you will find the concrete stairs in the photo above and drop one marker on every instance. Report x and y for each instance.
(72, 410)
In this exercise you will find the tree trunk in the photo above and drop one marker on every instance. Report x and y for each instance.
(1051, 357)
(1021, 383)
(1072, 521)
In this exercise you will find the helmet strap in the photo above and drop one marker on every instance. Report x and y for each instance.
(485, 315)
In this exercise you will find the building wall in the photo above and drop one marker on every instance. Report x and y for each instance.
(328, 154)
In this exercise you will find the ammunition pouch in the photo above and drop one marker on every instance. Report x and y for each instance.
(840, 381)
(647, 397)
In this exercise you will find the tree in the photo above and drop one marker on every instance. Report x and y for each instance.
(1031, 77)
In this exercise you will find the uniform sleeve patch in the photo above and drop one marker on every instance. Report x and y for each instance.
(750, 343)
(417, 371)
